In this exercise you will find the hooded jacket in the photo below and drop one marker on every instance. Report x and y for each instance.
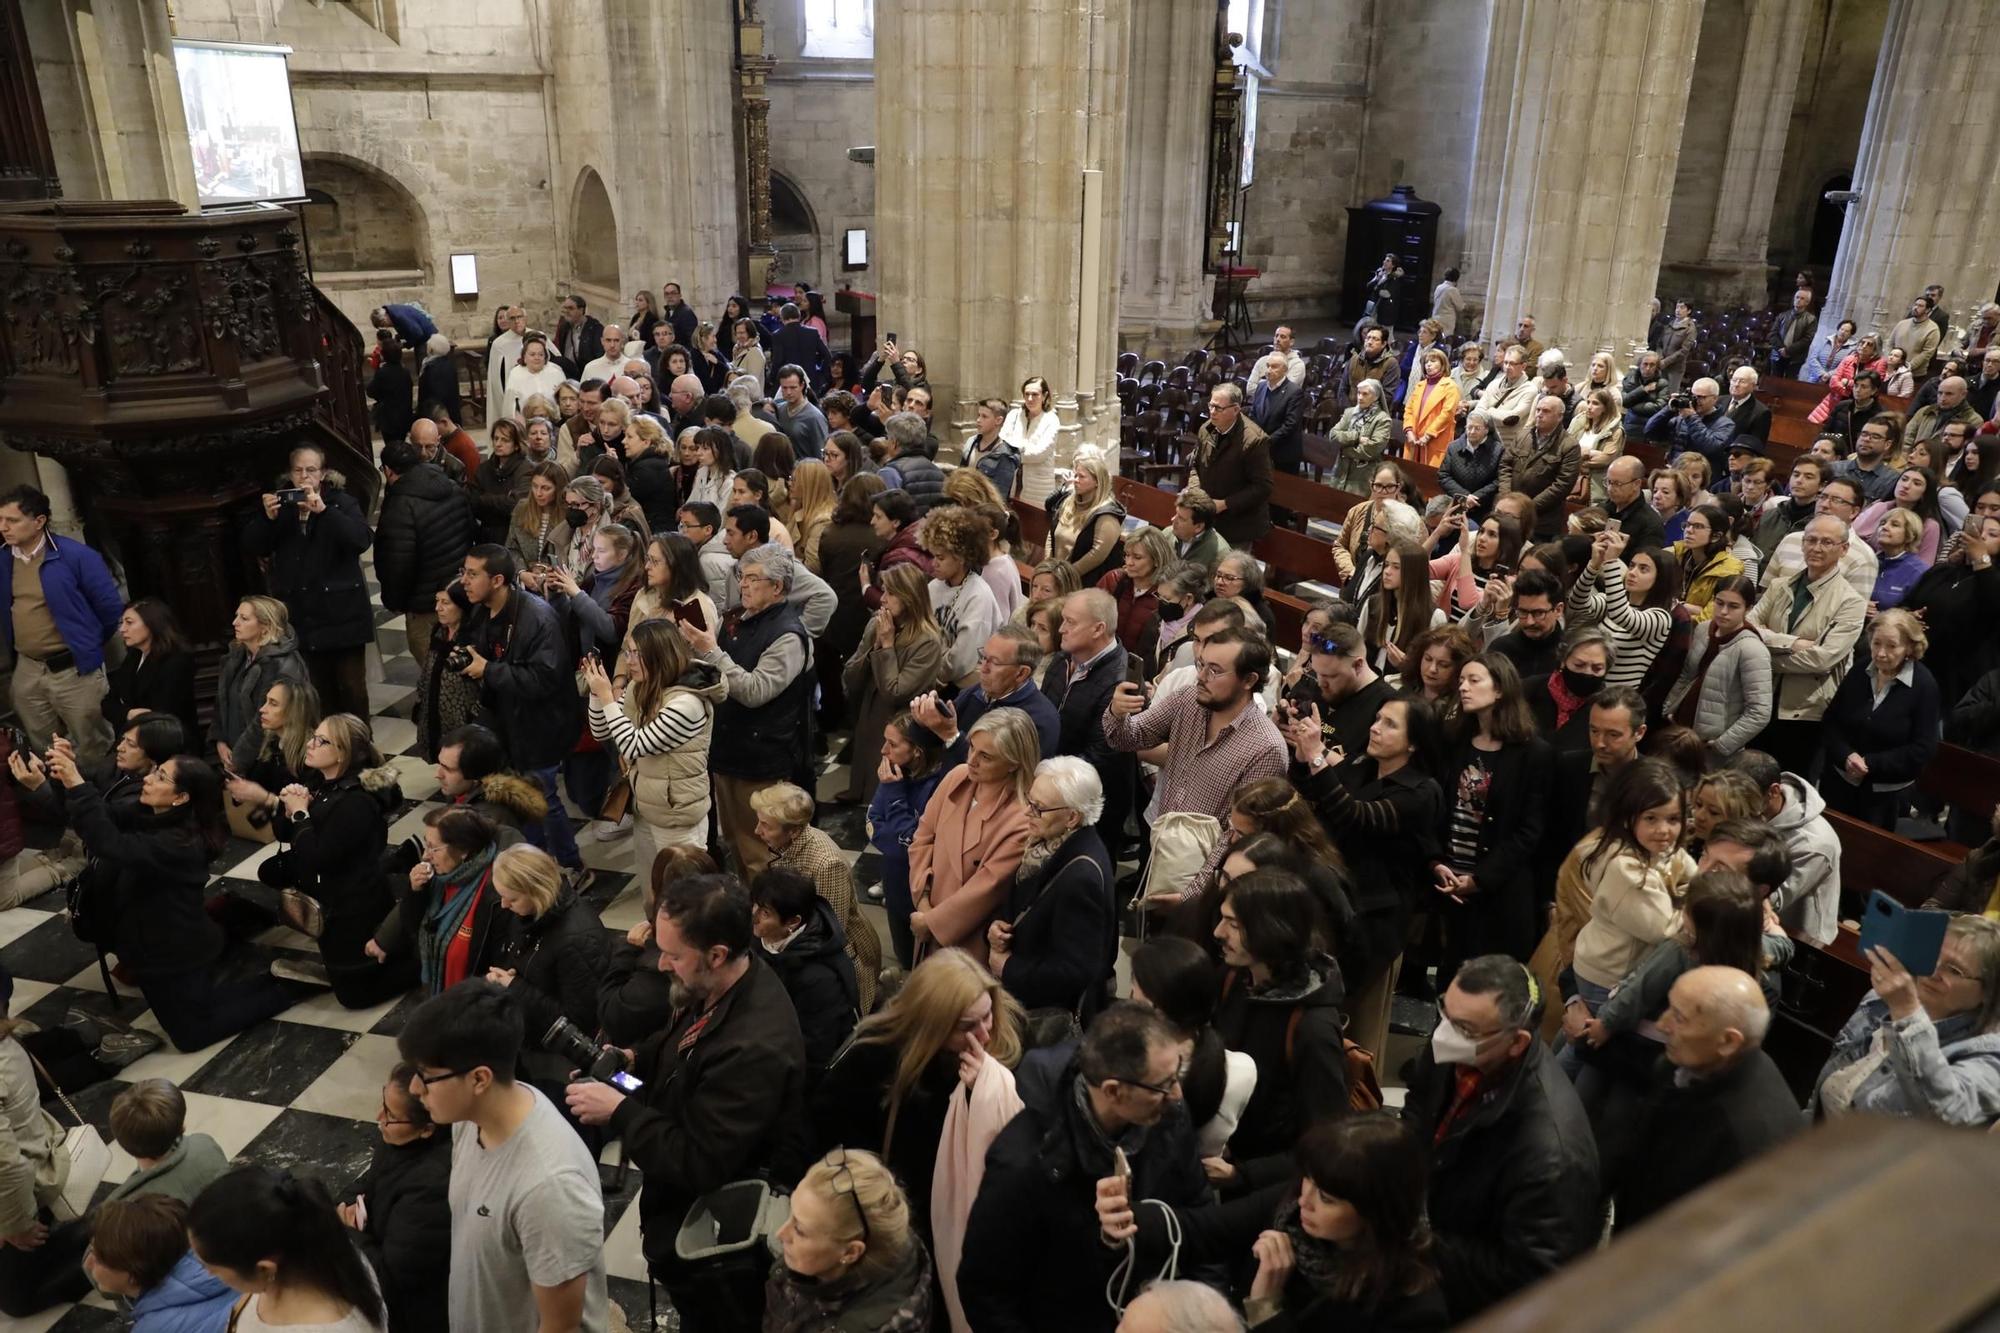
(188, 1300)
(820, 978)
(336, 846)
(421, 539)
(1301, 1068)
(559, 959)
(316, 568)
(899, 1301)
(240, 689)
(1808, 902)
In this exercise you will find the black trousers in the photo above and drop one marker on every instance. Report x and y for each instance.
(340, 676)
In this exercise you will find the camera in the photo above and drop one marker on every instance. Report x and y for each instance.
(459, 658)
(1680, 402)
(292, 495)
(605, 1064)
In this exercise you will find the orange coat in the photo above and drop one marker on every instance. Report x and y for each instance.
(1431, 409)
(962, 861)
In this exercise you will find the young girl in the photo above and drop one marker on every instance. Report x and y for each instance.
(1705, 558)
(1400, 609)
(275, 1237)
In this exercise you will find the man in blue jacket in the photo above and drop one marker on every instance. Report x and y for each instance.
(1695, 423)
(1007, 665)
(410, 322)
(62, 608)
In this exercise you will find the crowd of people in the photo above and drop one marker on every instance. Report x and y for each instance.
(1558, 760)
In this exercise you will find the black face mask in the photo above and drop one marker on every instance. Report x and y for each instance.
(576, 518)
(1582, 684)
(1171, 610)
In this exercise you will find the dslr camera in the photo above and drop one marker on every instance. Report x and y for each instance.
(601, 1064)
(459, 658)
(1680, 402)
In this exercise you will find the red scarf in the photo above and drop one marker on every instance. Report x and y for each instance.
(1567, 703)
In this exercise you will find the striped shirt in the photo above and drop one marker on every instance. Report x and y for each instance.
(1637, 633)
(678, 722)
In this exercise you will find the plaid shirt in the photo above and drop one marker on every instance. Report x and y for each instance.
(1201, 776)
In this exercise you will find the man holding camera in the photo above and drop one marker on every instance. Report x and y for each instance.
(721, 1095)
(314, 532)
(1695, 421)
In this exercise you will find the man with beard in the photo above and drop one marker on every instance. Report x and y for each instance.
(1218, 740)
(1056, 944)
(722, 1094)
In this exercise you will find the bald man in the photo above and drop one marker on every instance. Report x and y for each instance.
(1717, 1099)
(1951, 406)
(684, 397)
(611, 362)
(1625, 501)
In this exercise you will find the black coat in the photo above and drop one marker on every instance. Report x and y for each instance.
(393, 412)
(850, 1109)
(529, 689)
(819, 976)
(1499, 917)
(798, 345)
(1689, 1136)
(437, 382)
(161, 683)
(589, 346)
(559, 960)
(1033, 1260)
(1468, 473)
(1282, 420)
(1065, 942)
(335, 849)
(1386, 828)
(316, 569)
(1531, 657)
(635, 999)
(1514, 1184)
(1897, 739)
(422, 537)
(1641, 525)
(730, 1106)
(153, 872)
(1082, 712)
(1963, 606)
(497, 486)
(650, 479)
(1301, 1065)
(1751, 418)
(408, 1236)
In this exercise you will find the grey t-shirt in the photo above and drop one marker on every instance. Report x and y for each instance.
(527, 1214)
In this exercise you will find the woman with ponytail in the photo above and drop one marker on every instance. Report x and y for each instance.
(276, 1238)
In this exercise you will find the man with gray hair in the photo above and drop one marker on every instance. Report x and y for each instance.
(1717, 1099)
(1232, 462)
(1278, 407)
(1006, 680)
(684, 397)
(765, 657)
(1543, 463)
(803, 424)
(1695, 421)
(611, 364)
(1810, 620)
(904, 466)
(1180, 1306)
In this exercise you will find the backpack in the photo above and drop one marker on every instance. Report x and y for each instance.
(1364, 1089)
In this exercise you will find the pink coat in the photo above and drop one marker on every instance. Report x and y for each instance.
(962, 861)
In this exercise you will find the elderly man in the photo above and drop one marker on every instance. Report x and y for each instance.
(1079, 682)
(1625, 501)
(1951, 406)
(502, 354)
(766, 663)
(1281, 345)
(1543, 464)
(803, 424)
(1791, 340)
(429, 442)
(1695, 422)
(1180, 1307)
(1006, 680)
(747, 527)
(905, 467)
(1232, 462)
(1373, 362)
(1918, 335)
(1984, 394)
(684, 399)
(1510, 397)
(611, 364)
(1810, 620)
(1278, 407)
(1717, 1101)
(1747, 415)
(1843, 498)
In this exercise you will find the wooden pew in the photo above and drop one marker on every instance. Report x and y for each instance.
(1141, 501)
(1970, 781)
(1297, 556)
(1311, 498)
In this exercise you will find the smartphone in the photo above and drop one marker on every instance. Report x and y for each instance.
(1614, 525)
(1135, 670)
(1501, 571)
(690, 613)
(1120, 1166)
(1915, 936)
(889, 337)
(292, 495)
(625, 1083)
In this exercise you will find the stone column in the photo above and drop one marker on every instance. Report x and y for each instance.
(999, 173)
(1774, 33)
(1164, 297)
(1489, 146)
(1925, 171)
(1599, 93)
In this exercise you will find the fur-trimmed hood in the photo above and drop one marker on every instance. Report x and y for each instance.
(510, 797)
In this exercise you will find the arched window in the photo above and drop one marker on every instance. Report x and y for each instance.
(593, 233)
(359, 220)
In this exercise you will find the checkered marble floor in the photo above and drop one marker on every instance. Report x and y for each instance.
(301, 1090)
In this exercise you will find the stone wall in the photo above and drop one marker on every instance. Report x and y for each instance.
(1704, 148)
(1837, 68)
(359, 220)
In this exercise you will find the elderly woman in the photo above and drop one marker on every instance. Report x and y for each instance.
(1362, 433)
(1883, 724)
(1471, 372)
(1929, 1047)
(1055, 945)
(972, 835)
(784, 824)
(1430, 408)
(1384, 485)
(554, 957)
(960, 544)
(850, 1256)
(1086, 522)
(1470, 469)
(1238, 574)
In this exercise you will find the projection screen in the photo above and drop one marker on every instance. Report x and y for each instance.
(238, 100)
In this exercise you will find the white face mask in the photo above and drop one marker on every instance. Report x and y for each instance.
(1449, 1046)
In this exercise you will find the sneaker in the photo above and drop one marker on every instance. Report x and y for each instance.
(873, 893)
(118, 1049)
(612, 832)
(308, 971)
(301, 912)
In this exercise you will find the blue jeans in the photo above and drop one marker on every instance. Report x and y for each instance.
(1570, 1056)
(554, 834)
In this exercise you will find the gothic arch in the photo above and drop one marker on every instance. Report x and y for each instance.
(795, 232)
(593, 233)
(360, 217)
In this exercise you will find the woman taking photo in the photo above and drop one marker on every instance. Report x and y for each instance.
(1883, 724)
(1725, 691)
(1087, 523)
(1917, 492)
(553, 958)
(1135, 586)
(900, 655)
(659, 725)
(1031, 428)
(1560, 700)
(276, 1238)
(336, 825)
(972, 835)
(1631, 600)
(906, 775)
(400, 1209)
(1494, 547)
(263, 649)
(157, 673)
(144, 743)
(811, 509)
(1400, 609)
(1705, 558)
(1493, 778)
(1055, 945)
(853, 1258)
(446, 700)
(849, 545)
(539, 532)
(962, 603)
(888, 1091)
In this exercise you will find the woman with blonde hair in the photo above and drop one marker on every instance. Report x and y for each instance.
(972, 835)
(900, 655)
(659, 725)
(539, 532)
(1052, 581)
(290, 712)
(784, 824)
(554, 957)
(851, 1255)
(1135, 585)
(811, 509)
(1598, 430)
(1716, 799)
(888, 1091)
(1086, 522)
(649, 473)
(263, 650)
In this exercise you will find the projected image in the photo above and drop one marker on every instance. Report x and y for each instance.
(239, 118)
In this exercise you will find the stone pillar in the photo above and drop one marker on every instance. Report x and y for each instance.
(1925, 171)
(1774, 33)
(1599, 95)
(999, 174)
(1164, 296)
(1489, 147)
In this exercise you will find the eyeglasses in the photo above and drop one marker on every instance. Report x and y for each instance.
(1467, 1033)
(1162, 1089)
(1386, 487)
(313, 742)
(843, 1183)
(989, 660)
(1037, 809)
(1210, 670)
(1821, 543)
(382, 1117)
(422, 1082)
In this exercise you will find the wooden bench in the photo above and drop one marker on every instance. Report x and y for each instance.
(1311, 498)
